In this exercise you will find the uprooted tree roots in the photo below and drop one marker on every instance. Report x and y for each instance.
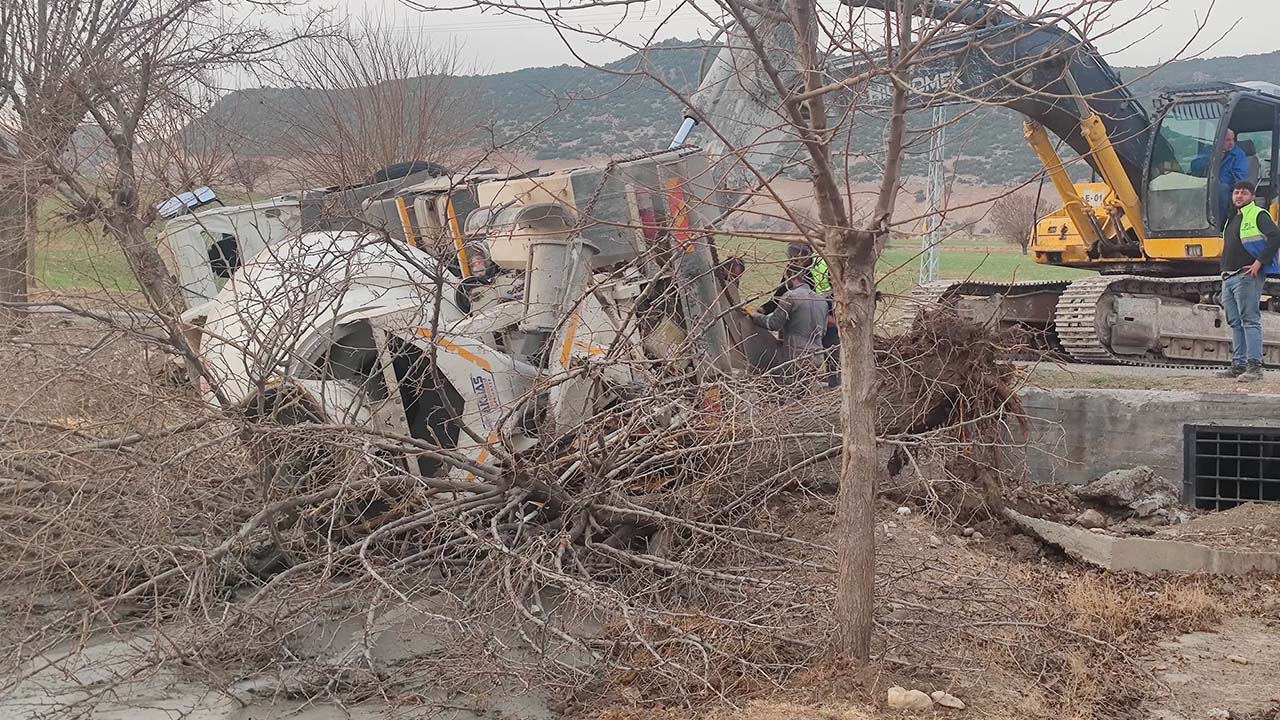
(650, 549)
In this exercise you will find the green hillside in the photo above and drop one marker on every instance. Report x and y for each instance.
(571, 112)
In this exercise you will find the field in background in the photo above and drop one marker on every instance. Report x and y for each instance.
(76, 256)
(73, 257)
(899, 266)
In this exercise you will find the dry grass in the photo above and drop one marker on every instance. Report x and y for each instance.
(1191, 607)
(1098, 608)
(1113, 608)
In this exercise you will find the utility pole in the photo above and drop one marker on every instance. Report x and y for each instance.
(933, 219)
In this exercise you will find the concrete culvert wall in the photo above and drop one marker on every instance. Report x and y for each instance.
(1077, 435)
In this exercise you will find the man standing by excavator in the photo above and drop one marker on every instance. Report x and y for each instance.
(1249, 244)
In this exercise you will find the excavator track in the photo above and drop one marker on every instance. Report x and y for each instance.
(1076, 317)
(1116, 319)
(1089, 313)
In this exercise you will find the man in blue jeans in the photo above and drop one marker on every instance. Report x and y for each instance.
(1249, 244)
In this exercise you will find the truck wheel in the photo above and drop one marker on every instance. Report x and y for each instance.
(401, 169)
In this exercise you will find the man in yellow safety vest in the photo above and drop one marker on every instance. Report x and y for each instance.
(1249, 244)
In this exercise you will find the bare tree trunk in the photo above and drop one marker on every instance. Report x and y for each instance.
(147, 266)
(14, 250)
(854, 292)
(33, 228)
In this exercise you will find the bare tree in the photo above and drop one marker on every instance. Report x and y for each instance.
(42, 46)
(839, 85)
(129, 86)
(374, 97)
(248, 171)
(1013, 217)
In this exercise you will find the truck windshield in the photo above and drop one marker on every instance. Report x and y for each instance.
(1181, 162)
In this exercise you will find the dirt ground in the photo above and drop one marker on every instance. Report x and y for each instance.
(1228, 672)
(1012, 628)
(1073, 375)
(1252, 526)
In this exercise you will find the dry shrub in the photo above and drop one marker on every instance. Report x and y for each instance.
(1183, 605)
(1081, 692)
(1102, 609)
(1112, 607)
(1198, 609)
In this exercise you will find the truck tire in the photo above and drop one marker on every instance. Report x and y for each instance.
(401, 169)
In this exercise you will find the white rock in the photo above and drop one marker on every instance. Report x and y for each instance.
(935, 541)
(1259, 529)
(903, 699)
(967, 532)
(1238, 659)
(904, 510)
(947, 700)
(978, 537)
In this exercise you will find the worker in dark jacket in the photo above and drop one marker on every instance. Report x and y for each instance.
(800, 317)
(1249, 244)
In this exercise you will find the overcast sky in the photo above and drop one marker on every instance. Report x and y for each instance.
(500, 43)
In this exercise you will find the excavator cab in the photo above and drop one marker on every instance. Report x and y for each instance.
(1186, 196)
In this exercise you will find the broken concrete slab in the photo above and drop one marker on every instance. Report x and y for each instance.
(1138, 489)
(1145, 555)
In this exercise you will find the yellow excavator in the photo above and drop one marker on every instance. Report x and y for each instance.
(1149, 225)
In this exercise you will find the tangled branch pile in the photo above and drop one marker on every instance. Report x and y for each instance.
(648, 550)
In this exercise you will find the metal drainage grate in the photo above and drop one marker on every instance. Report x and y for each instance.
(1226, 466)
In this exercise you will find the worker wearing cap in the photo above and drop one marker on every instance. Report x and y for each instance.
(800, 317)
(1249, 244)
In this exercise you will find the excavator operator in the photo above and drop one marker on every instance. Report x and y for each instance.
(1233, 168)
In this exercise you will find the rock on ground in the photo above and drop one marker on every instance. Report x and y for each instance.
(902, 699)
(947, 700)
(1138, 489)
(1091, 519)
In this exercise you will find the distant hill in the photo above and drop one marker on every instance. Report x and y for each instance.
(567, 112)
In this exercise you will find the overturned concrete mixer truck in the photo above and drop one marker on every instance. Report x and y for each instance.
(465, 309)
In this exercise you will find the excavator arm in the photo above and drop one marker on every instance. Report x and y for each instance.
(1051, 75)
